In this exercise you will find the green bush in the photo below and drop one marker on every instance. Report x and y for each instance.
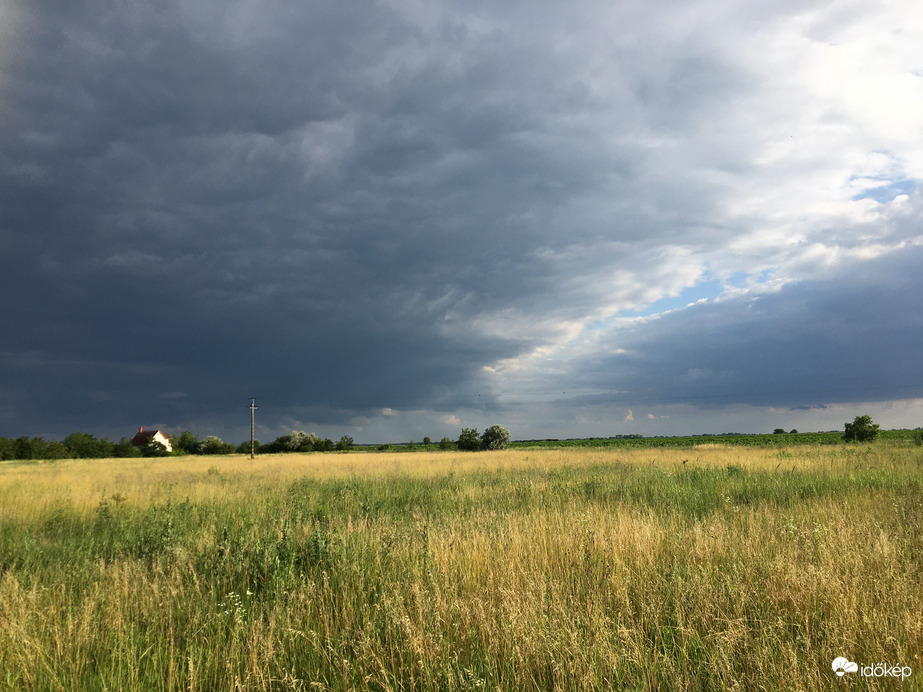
(244, 447)
(154, 449)
(468, 441)
(862, 429)
(215, 445)
(495, 437)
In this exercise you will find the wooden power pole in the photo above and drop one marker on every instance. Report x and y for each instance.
(253, 407)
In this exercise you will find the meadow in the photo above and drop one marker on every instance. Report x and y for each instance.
(713, 567)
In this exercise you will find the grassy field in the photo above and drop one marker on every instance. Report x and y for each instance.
(712, 567)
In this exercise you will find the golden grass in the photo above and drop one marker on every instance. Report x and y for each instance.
(718, 568)
(30, 487)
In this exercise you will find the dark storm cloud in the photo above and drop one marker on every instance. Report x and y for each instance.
(223, 216)
(348, 209)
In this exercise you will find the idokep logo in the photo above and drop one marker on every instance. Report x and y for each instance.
(842, 665)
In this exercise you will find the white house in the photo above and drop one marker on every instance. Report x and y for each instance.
(144, 437)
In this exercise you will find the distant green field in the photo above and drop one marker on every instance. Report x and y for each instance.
(762, 440)
(779, 440)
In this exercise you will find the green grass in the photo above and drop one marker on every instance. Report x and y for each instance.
(715, 568)
(745, 440)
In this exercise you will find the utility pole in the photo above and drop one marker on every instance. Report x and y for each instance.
(253, 407)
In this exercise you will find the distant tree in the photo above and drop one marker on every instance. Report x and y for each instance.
(300, 441)
(38, 448)
(26, 447)
(244, 447)
(215, 445)
(125, 449)
(186, 443)
(427, 441)
(106, 446)
(81, 445)
(280, 444)
(154, 449)
(446, 443)
(346, 442)
(778, 431)
(7, 448)
(495, 437)
(468, 441)
(53, 450)
(793, 432)
(325, 445)
(862, 429)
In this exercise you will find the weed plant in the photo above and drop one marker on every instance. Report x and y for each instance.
(710, 568)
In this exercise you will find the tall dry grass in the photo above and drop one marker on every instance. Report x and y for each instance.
(717, 568)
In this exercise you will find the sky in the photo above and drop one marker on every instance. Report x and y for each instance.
(396, 219)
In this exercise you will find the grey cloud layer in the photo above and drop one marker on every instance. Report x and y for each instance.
(344, 209)
(850, 338)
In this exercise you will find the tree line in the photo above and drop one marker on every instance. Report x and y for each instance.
(81, 445)
(77, 445)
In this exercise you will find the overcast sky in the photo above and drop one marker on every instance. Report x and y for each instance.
(396, 219)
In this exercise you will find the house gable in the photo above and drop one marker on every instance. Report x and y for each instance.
(144, 437)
